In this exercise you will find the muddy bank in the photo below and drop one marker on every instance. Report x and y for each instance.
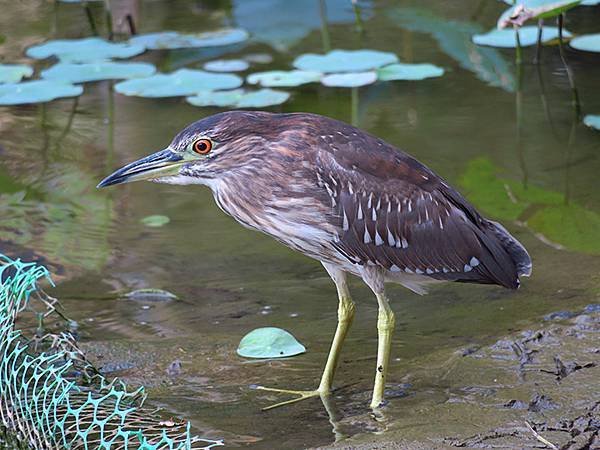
(535, 389)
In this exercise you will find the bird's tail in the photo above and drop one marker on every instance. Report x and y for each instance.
(514, 248)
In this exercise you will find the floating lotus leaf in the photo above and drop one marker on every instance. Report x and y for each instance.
(155, 221)
(269, 342)
(590, 2)
(179, 83)
(409, 72)
(586, 42)
(240, 98)
(344, 61)
(37, 91)
(80, 73)
(151, 295)
(84, 50)
(527, 35)
(525, 10)
(592, 121)
(171, 40)
(354, 79)
(282, 78)
(13, 73)
(226, 65)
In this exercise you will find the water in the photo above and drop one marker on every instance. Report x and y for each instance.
(231, 280)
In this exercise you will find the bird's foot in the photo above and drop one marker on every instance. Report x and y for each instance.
(301, 395)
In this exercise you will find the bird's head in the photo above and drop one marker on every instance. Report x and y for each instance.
(204, 150)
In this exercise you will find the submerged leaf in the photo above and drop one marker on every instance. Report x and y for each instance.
(586, 42)
(80, 73)
(507, 39)
(402, 71)
(344, 61)
(282, 78)
(173, 40)
(155, 220)
(269, 342)
(226, 65)
(353, 79)
(151, 295)
(240, 98)
(13, 73)
(180, 83)
(37, 91)
(84, 50)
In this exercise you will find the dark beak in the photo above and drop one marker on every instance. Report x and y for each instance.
(159, 164)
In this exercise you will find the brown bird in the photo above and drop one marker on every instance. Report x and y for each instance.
(344, 197)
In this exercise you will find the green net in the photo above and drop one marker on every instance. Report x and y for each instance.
(51, 397)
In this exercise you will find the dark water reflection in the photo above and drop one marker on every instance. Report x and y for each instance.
(231, 280)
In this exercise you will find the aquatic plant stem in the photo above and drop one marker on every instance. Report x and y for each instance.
(357, 17)
(518, 51)
(90, 18)
(538, 48)
(570, 76)
(354, 106)
(326, 41)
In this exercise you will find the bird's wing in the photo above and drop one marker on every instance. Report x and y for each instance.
(394, 212)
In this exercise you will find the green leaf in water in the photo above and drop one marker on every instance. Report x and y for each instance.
(37, 91)
(174, 40)
(84, 50)
(269, 342)
(151, 295)
(155, 221)
(13, 73)
(344, 61)
(507, 38)
(586, 42)
(179, 83)
(592, 121)
(80, 73)
(353, 79)
(240, 98)
(283, 78)
(402, 71)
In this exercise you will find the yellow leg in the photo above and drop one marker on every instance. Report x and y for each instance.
(345, 317)
(385, 329)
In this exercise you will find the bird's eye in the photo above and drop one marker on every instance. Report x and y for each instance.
(202, 146)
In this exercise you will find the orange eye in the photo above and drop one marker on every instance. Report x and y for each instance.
(203, 146)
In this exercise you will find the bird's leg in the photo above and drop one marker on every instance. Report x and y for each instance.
(345, 317)
(385, 329)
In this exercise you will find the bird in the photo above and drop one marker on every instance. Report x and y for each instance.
(346, 198)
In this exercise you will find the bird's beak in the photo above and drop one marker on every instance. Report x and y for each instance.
(158, 165)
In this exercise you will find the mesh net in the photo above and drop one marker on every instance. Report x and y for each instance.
(51, 397)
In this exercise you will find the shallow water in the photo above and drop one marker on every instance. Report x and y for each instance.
(477, 119)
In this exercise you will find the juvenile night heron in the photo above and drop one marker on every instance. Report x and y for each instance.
(344, 197)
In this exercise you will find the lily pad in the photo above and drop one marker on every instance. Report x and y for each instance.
(354, 79)
(37, 91)
(79, 73)
(84, 50)
(282, 78)
(527, 35)
(525, 10)
(179, 83)
(345, 61)
(165, 40)
(240, 98)
(155, 221)
(592, 121)
(151, 295)
(409, 72)
(269, 342)
(13, 73)
(226, 65)
(586, 42)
